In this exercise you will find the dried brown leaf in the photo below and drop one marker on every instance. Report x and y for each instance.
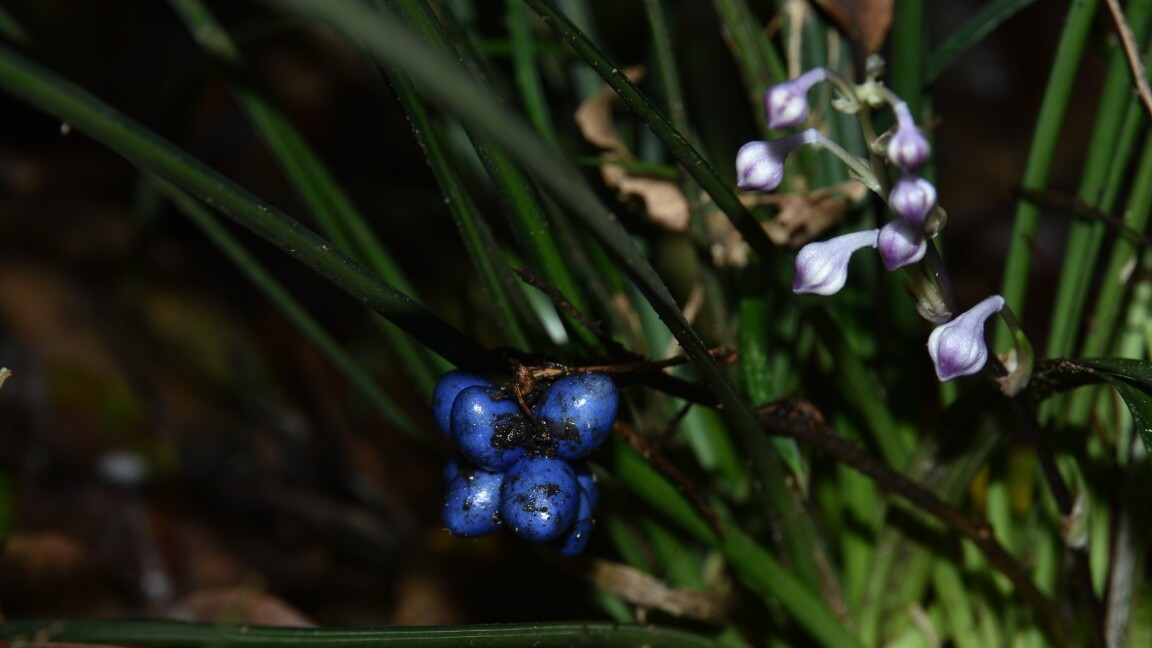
(727, 246)
(662, 199)
(865, 21)
(650, 592)
(804, 216)
(594, 116)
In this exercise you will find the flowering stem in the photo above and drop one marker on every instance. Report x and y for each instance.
(857, 165)
(879, 171)
(846, 88)
(934, 265)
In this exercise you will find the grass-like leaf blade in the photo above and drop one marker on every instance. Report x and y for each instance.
(179, 635)
(988, 18)
(44, 89)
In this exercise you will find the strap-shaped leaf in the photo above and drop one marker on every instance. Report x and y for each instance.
(1137, 371)
(1139, 403)
(150, 152)
(1131, 378)
(512, 635)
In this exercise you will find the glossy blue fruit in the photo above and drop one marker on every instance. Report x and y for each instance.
(578, 412)
(472, 502)
(447, 388)
(488, 432)
(587, 481)
(540, 498)
(574, 540)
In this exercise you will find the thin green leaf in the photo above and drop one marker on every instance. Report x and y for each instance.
(337, 216)
(12, 30)
(1139, 404)
(647, 482)
(760, 65)
(291, 309)
(1138, 371)
(142, 147)
(762, 573)
(762, 349)
(754, 565)
(517, 192)
(956, 604)
(1104, 169)
(1049, 131)
(501, 283)
(979, 25)
(512, 635)
(527, 70)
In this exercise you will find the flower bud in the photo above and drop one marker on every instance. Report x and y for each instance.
(907, 148)
(760, 165)
(957, 348)
(913, 198)
(901, 243)
(787, 103)
(822, 268)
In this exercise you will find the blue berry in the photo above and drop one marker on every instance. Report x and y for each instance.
(539, 500)
(587, 481)
(578, 412)
(575, 539)
(447, 388)
(472, 502)
(488, 432)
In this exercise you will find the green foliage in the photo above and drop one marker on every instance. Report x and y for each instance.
(944, 519)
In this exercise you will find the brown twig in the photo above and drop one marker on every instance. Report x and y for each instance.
(1075, 206)
(721, 354)
(562, 303)
(800, 420)
(1131, 50)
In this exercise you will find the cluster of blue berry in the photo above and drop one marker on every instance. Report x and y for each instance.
(519, 470)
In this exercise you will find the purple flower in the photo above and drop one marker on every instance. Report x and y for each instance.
(957, 348)
(822, 268)
(913, 198)
(787, 103)
(907, 148)
(760, 165)
(901, 243)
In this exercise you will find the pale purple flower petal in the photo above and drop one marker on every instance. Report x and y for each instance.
(822, 268)
(958, 348)
(912, 197)
(901, 243)
(907, 148)
(787, 103)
